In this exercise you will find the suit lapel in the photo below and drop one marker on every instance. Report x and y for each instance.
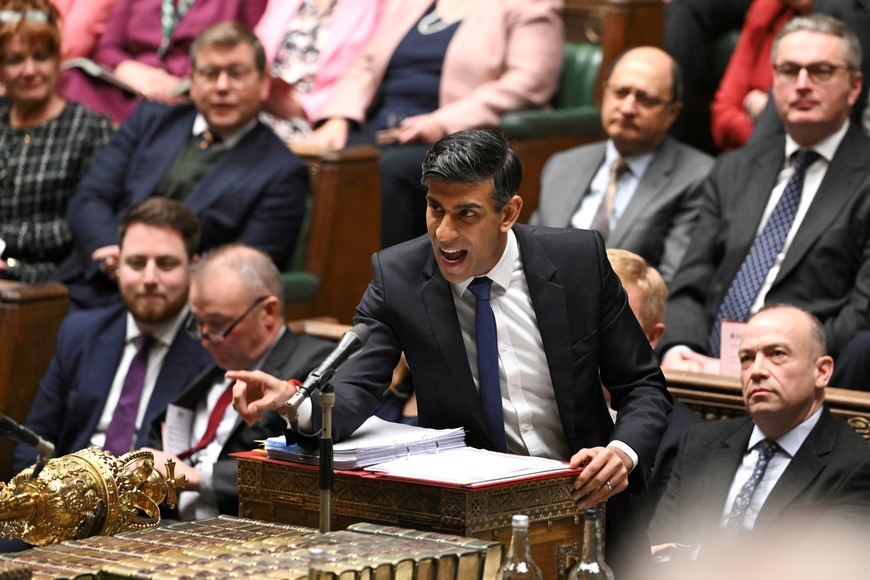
(234, 166)
(838, 186)
(724, 459)
(96, 381)
(550, 305)
(647, 193)
(183, 358)
(749, 207)
(443, 324)
(801, 471)
(165, 146)
(575, 189)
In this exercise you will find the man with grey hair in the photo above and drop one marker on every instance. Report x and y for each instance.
(790, 458)
(211, 153)
(237, 313)
(786, 219)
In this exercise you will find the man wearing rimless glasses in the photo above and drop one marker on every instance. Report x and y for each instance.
(237, 314)
(785, 219)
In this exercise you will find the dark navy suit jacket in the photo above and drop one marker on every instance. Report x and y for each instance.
(590, 337)
(73, 392)
(254, 194)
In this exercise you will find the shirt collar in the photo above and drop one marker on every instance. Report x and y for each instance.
(638, 164)
(501, 273)
(790, 442)
(826, 147)
(164, 333)
(200, 125)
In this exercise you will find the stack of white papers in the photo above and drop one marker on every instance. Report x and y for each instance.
(374, 442)
(470, 467)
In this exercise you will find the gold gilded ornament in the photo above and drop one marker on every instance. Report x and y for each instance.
(87, 493)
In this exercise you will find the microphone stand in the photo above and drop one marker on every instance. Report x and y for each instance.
(327, 474)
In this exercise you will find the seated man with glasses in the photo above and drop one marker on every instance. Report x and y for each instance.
(116, 368)
(639, 188)
(212, 154)
(785, 219)
(237, 313)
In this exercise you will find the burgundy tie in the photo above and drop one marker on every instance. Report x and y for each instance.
(214, 421)
(119, 435)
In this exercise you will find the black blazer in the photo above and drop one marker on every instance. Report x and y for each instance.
(830, 472)
(827, 268)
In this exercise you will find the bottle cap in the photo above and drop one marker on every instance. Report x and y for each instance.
(316, 556)
(520, 521)
(592, 513)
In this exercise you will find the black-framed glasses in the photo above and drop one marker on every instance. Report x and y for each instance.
(643, 99)
(192, 326)
(819, 72)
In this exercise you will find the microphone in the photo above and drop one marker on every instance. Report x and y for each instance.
(351, 342)
(22, 434)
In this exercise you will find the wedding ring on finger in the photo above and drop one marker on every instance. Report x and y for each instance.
(609, 487)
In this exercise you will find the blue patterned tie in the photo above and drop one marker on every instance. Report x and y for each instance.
(766, 450)
(749, 279)
(487, 362)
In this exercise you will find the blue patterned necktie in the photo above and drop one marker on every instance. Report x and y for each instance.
(762, 255)
(766, 450)
(487, 362)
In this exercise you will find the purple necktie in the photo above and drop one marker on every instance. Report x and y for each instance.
(119, 435)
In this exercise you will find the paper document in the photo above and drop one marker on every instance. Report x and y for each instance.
(468, 466)
(374, 442)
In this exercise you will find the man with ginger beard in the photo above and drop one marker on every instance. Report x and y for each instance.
(89, 396)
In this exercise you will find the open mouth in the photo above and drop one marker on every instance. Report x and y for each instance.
(453, 257)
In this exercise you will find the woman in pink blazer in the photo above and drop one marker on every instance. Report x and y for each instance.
(480, 59)
(81, 24)
(334, 32)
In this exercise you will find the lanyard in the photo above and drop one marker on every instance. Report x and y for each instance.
(169, 17)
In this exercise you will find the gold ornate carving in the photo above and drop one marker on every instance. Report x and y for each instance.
(87, 493)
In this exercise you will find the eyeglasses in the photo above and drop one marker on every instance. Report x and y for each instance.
(819, 72)
(641, 98)
(193, 327)
(236, 75)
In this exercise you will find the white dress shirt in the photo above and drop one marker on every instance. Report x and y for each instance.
(626, 186)
(789, 444)
(163, 337)
(532, 423)
(202, 504)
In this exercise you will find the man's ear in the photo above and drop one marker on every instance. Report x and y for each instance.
(824, 370)
(655, 335)
(510, 213)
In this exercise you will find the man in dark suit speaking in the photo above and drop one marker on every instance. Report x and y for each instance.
(791, 458)
(508, 330)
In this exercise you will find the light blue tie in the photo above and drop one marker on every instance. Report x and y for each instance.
(767, 245)
(766, 450)
(487, 362)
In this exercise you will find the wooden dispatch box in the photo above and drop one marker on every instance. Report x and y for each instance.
(289, 493)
